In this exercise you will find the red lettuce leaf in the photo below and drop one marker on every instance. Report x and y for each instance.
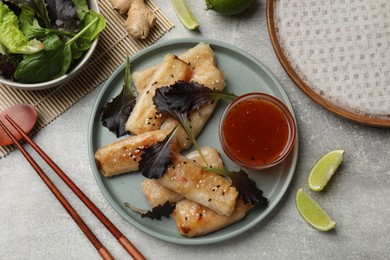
(7, 67)
(63, 15)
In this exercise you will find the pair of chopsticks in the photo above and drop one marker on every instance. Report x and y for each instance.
(105, 254)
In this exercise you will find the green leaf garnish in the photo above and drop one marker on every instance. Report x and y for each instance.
(12, 38)
(245, 186)
(156, 213)
(115, 113)
(54, 61)
(38, 6)
(156, 158)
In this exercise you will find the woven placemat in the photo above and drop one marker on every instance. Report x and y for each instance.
(111, 51)
(338, 53)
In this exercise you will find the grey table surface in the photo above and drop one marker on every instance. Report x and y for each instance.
(33, 225)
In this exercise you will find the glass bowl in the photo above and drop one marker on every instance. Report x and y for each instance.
(257, 131)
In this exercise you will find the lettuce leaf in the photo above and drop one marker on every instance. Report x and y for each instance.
(51, 63)
(12, 37)
(46, 65)
(32, 29)
(38, 6)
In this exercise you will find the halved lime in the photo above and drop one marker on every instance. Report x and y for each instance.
(324, 169)
(185, 15)
(312, 212)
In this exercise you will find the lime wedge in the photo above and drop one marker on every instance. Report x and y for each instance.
(324, 169)
(185, 15)
(312, 212)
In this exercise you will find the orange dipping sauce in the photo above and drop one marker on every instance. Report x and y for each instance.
(257, 131)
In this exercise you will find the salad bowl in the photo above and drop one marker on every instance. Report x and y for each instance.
(75, 69)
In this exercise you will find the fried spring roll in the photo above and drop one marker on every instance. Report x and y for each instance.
(141, 78)
(144, 116)
(123, 156)
(205, 71)
(208, 189)
(203, 62)
(194, 220)
(156, 194)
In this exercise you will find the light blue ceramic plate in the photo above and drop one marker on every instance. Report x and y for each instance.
(243, 74)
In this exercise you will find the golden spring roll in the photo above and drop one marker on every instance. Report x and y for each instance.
(156, 194)
(194, 220)
(144, 116)
(141, 78)
(205, 71)
(203, 62)
(123, 156)
(208, 189)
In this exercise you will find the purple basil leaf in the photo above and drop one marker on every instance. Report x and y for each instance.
(185, 97)
(160, 211)
(156, 158)
(245, 186)
(115, 113)
(157, 212)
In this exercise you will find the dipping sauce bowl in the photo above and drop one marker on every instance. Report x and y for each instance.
(257, 131)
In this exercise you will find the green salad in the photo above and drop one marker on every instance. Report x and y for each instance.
(41, 40)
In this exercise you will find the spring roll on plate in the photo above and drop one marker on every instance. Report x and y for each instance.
(124, 155)
(156, 194)
(187, 178)
(194, 220)
(144, 116)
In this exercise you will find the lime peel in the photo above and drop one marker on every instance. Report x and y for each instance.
(312, 212)
(185, 15)
(324, 169)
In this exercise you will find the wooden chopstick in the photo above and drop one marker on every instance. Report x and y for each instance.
(57, 193)
(126, 244)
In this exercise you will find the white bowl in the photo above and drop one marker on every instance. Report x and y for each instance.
(93, 4)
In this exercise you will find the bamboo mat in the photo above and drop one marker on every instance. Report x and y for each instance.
(111, 51)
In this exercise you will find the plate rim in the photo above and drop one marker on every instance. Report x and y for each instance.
(366, 119)
(185, 240)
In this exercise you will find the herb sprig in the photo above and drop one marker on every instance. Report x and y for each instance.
(115, 113)
(179, 99)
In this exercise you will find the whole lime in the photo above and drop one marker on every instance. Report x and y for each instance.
(228, 7)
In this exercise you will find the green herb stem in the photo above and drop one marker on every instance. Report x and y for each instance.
(79, 34)
(225, 95)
